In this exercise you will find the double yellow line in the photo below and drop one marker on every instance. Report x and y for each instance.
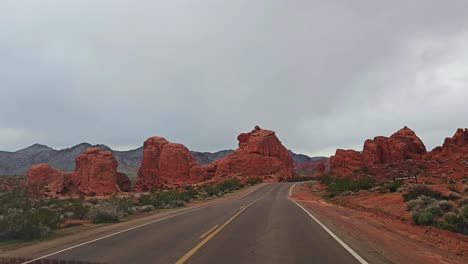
(210, 234)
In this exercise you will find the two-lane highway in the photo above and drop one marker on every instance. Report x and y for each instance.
(261, 227)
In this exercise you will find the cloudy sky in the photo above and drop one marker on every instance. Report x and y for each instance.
(322, 74)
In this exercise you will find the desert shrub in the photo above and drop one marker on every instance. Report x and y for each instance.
(464, 211)
(392, 186)
(253, 181)
(166, 199)
(27, 217)
(77, 207)
(445, 205)
(451, 218)
(229, 185)
(420, 189)
(453, 195)
(341, 185)
(415, 205)
(326, 179)
(427, 216)
(463, 201)
(104, 217)
(108, 211)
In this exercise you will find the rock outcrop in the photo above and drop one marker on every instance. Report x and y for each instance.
(95, 173)
(260, 154)
(344, 162)
(54, 179)
(402, 145)
(166, 164)
(455, 147)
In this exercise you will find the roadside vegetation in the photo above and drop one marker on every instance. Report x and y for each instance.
(26, 215)
(336, 185)
(430, 207)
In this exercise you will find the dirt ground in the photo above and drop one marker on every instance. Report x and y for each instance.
(379, 224)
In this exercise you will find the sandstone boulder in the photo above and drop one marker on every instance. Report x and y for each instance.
(96, 172)
(54, 179)
(166, 164)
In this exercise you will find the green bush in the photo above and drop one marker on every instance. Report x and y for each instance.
(393, 185)
(80, 211)
(104, 217)
(446, 206)
(326, 179)
(253, 181)
(463, 201)
(427, 216)
(415, 205)
(229, 185)
(26, 216)
(341, 185)
(420, 189)
(451, 218)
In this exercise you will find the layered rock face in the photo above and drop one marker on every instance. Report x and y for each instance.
(166, 164)
(455, 147)
(95, 173)
(402, 145)
(54, 179)
(260, 154)
(344, 162)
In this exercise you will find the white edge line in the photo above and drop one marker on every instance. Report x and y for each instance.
(138, 226)
(341, 242)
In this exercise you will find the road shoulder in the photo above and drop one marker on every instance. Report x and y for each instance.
(378, 239)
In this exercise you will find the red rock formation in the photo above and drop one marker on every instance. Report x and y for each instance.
(96, 172)
(455, 147)
(344, 162)
(166, 164)
(260, 154)
(402, 145)
(54, 179)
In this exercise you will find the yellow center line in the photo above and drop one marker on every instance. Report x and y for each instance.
(209, 231)
(204, 241)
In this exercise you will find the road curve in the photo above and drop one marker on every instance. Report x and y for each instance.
(261, 227)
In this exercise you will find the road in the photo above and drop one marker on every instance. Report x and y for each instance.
(261, 227)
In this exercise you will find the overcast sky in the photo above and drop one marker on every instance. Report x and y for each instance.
(322, 74)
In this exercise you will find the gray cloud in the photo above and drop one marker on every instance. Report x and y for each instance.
(322, 74)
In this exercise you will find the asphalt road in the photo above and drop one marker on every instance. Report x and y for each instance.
(261, 227)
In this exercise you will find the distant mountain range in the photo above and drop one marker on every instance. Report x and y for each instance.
(18, 162)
